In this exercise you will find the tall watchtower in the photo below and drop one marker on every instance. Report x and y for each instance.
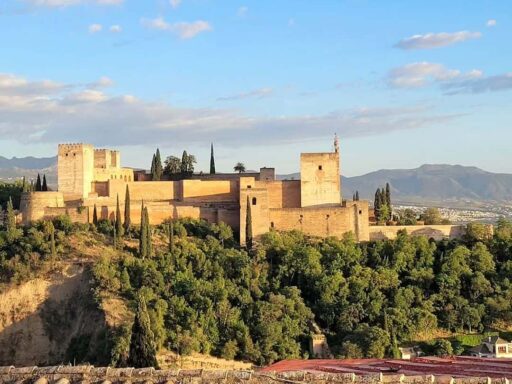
(75, 170)
(320, 178)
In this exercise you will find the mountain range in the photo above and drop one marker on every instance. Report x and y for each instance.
(428, 183)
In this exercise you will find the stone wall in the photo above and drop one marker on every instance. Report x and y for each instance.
(282, 194)
(258, 200)
(324, 221)
(90, 374)
(437, 232)
(211, 190)
(320, 179)
(75, 170)
(33, 205)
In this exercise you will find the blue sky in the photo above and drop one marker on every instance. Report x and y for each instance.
(401, 82)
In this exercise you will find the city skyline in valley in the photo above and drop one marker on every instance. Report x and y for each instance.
(401, 86)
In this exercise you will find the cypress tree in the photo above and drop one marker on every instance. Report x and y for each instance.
(143, 243)
(184, 164)
(153, 168)
(24, 186)
(38, 183)
(357, 195)
(377, 204)
(44, 187)
(118, 223)
(354, 197)
(388, 198)
(171, 237)
(114, 237)
(10, 223)
(95, 215)
(212, 161)
(127, 208)
(149, 241)
(142, 342)
(53, 249)
(248, 225)
(158, 165)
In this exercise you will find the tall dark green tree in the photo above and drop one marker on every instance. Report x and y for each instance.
(143, 242)
(24, 185)
(149, 240)
(184, 163)
(158, 165)
(11, 231)
(212, 161)
(357, 195)
(171, 236)
(142, 343)
(95, 215)
(119, 222)
(127, 209)
(248, 225)
(377, 203)
(44, 187)
(39, 187)
(153, 168)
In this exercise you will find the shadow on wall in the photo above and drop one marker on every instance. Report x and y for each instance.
(66, 326)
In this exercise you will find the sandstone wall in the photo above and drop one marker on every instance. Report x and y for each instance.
(437, 232)
(258, 200)
(320, 179)
(75, 170)
(145, 190)
(211, 190)
(105, 174)
(323, 221)
(33, 205)
(282, 194)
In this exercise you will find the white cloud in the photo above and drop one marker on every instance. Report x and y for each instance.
(116, 28)
(418, 75)
(257, 93)
(436, 40)
(102, 82)
(451, 81)
(242, 11)
(67, 3)
(175, 3)
(491, 23)
(480, 84)
(185, 30)
(95, 28)
(49, 112)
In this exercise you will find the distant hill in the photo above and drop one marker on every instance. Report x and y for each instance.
(431, 183)
(29, 167)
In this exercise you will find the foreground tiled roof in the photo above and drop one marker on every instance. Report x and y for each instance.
(454, 366)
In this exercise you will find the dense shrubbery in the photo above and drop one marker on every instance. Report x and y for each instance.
(213, 298)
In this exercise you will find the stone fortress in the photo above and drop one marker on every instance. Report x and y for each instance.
(313, 204)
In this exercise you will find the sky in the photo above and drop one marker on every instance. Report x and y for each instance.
(402, 83)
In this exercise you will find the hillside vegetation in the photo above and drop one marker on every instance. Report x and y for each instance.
(206, 294)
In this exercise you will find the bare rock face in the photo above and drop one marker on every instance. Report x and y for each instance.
(46, 320)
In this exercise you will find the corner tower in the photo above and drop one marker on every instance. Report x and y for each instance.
(75, 170)
(320, 178)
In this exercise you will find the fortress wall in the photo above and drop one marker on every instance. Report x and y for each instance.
(101, 160)
(282, 194)
(143, 190)
(211, 190)
(320, 221)
(105, 174)
(33, 204)
(258, 200)
(229, 216)
(437, 232)
(100, 188)
(320, 179)
(77, 215)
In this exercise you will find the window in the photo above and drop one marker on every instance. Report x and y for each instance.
(271, 224)
(319, 167)
(253, 201)
(249, 186)
(360, 212)
(502, 349)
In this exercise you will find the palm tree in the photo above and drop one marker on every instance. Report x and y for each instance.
(239, 167)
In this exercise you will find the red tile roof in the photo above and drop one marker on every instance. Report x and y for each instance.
(454, 366)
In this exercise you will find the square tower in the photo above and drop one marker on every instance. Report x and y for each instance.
(320, 179)
(75, 169)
